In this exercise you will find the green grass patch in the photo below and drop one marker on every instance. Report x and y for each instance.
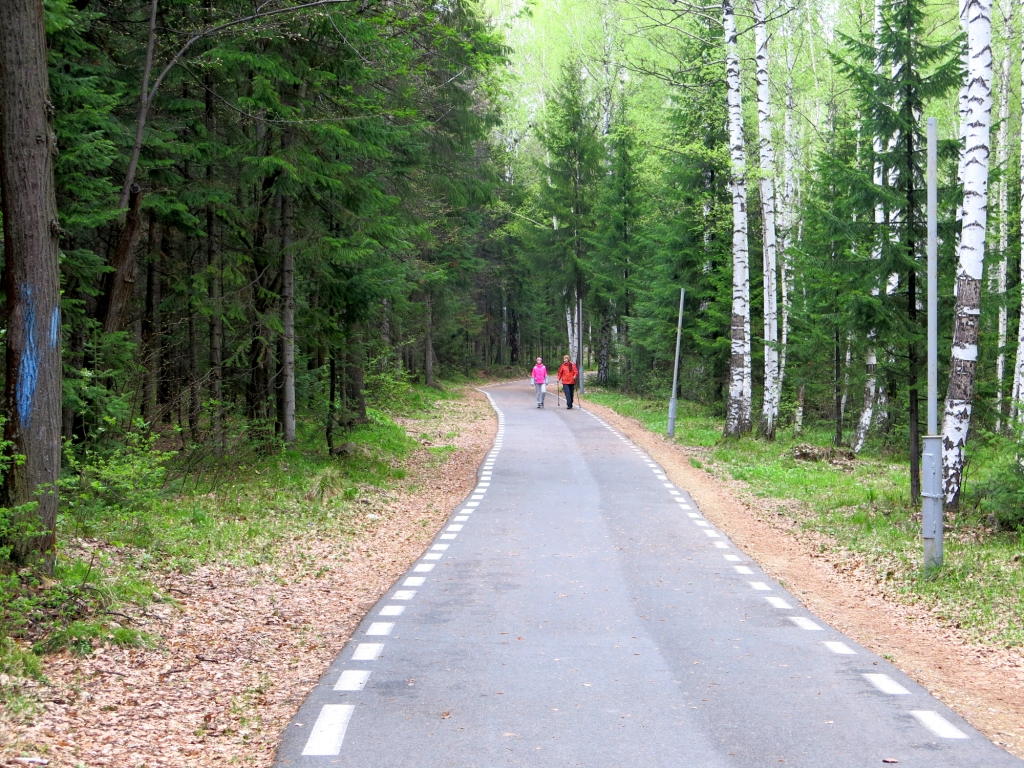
(864, 505)
(131, 510)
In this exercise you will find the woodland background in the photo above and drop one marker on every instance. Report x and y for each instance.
(280, 223)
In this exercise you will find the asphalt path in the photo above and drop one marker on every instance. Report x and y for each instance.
(579, 611)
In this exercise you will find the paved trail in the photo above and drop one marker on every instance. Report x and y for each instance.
(579, 611)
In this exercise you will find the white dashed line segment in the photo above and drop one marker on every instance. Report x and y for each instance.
(841, 648)
(352, 680)
(368, 652)
(886, 684)
(329, 730)
(938, 725)
(804, 623)
(392, 610)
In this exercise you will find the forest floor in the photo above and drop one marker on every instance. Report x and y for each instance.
(854, 571)
(233, 643)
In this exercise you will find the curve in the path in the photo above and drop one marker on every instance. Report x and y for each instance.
(578, 610)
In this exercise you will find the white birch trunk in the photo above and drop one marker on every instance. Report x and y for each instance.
(1002, 160)
(871, 358)
(788, 206)
(770, 405)
(971, 256)
(738, 418)
(1018, 368)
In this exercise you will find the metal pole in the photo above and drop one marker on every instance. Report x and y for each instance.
(579, 345)
(675, 374)
(931, 464)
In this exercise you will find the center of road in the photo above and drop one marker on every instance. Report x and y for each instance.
(578, 610)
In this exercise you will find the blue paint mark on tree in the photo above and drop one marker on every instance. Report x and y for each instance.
(55, 327)
(28, 370)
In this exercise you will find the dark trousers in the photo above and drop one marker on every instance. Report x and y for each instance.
(567, 388)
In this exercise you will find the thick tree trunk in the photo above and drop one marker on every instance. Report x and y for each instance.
(770, 405)
(971, 257)
(288, 316)
(788, 204)
(32, 397)
(738, 418)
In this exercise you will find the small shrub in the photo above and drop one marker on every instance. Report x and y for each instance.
(1001, 494)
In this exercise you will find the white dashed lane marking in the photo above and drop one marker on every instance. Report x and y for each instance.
(732, 558)
(329, 730)
(886, 684)
(760, 586)
(368, 652)
(841, 648)
(454, 527)
(414, 581)
(778, 602)
(433, 556)
(449, 535)
(392, 610)
(938, 725)
(743, 569)
(804, 623)
(405, 594)
(352, 680)
(380, 628)
(424, 568)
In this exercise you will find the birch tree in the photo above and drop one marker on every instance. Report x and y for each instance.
(738, 418)
(971, 253)
(766, 151)
(1017, 392)
(998, 282)
(871, 357)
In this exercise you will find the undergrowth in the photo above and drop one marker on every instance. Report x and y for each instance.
(131, 509)
(863, 504)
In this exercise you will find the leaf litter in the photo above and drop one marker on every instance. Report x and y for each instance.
(242, 645)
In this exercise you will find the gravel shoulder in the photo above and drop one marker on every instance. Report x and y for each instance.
(242, 646)
(984, 684)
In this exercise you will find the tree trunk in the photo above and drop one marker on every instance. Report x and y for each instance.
(998, 285)
(355, 399)
(288, 316)
(798, 418)
(788, 215)
(332, 398)
(1018, 369)
(151, 336)
(871, 362)
(428, 345)
(770, 404)
(120, 284)
(837, 389)
(738, 419)
(193, 350)
(605, 349)
(971, 257)
(32, 397)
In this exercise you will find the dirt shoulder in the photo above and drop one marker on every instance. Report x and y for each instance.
(983, 684)
(244, 645)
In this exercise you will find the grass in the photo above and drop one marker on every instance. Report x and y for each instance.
(134, 511)
(864, 506)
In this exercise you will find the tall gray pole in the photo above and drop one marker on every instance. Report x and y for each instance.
(579, 346)
(931, 464)
(675, 374)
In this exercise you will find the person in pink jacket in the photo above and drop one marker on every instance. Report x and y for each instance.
(540, 381)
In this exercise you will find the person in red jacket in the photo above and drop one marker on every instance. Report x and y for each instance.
(567, 375)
